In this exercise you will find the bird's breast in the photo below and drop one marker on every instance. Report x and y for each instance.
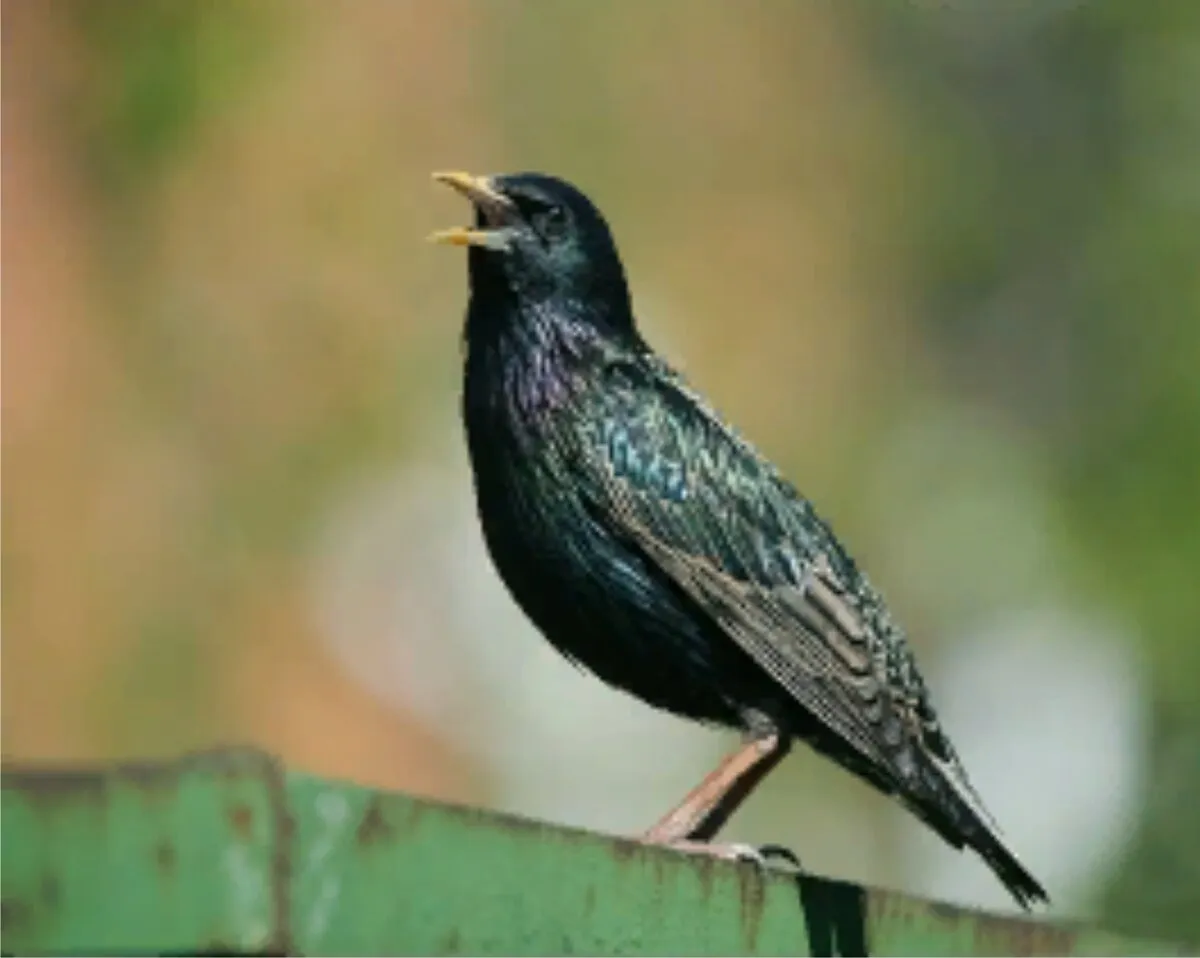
(597, 601)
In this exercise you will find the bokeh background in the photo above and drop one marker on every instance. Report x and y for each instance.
(940, 261)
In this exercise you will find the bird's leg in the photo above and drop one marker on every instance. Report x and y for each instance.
(708, 806)
(693, 822)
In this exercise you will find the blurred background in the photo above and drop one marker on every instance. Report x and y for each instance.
(939, 261)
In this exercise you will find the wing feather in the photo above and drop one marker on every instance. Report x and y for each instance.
(696, 502)
(714, 517)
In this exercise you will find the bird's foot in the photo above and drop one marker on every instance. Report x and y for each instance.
(735, 851)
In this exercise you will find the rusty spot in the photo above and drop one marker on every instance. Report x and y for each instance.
(282, 941)
(285, 827)
(1014, 936)
(991, 934)
(152, 779)
(752, 889)
(46, 784)
(625, 850)
(657, 861)
(412, 820)
(231, 762)
(491, 819)
(374, 826)
(703, 866)
(49, 889)
(235, 758)
(165, 857)
(941, 910)
(14, 916)
(242, 819)
(47, 788)
(1018, 937)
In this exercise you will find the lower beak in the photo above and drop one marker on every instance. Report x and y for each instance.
(461, 236)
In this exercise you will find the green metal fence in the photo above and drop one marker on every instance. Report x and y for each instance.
(231, 853)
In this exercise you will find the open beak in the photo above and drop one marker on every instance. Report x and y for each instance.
(495, 212)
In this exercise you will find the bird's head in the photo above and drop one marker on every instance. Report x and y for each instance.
(537, 242)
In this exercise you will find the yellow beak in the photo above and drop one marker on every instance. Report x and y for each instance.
(496, 208)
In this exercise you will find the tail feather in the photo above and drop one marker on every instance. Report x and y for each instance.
(956, 812)
(1026, 889)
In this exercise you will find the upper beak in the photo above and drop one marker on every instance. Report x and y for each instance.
(495, 208)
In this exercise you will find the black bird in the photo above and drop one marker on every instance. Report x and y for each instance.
(654, 546)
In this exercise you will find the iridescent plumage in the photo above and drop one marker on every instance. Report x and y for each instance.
(654, 546)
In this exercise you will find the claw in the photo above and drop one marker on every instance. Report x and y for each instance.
(736, 852)
(780, 851)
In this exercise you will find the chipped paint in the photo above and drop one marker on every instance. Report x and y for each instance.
(247, 895)
(333, 813)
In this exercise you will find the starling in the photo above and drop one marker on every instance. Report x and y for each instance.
(652, 545)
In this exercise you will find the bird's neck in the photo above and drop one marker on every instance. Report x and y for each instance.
(531, 360)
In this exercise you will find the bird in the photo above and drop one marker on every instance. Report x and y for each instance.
(654, 546)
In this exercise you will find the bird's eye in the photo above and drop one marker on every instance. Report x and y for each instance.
(551, 223)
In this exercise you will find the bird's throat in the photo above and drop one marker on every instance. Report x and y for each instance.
(527, 364)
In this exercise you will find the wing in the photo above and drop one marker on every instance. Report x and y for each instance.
(715, 518)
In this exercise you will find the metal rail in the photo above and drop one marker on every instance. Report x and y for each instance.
(229, 852)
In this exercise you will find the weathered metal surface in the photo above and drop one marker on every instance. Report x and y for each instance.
(172, 857)
(227, 852)
(451, 881)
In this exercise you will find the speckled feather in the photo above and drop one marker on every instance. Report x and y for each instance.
(654, 546)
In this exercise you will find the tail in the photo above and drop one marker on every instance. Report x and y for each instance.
(1016, 878)
(953, 809)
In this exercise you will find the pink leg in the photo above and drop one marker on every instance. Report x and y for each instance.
(694, 821)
